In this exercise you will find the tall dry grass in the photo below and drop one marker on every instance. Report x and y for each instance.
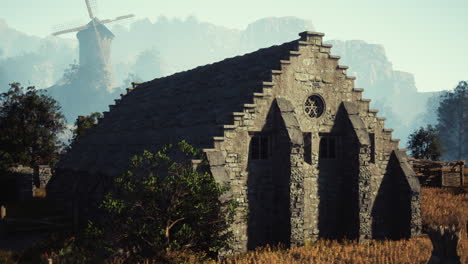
(415, 251)
(412, 251)
(447, 207)
(439, 207)
(444, 206)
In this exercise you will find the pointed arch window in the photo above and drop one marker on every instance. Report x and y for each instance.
(328, 146)
(260, 146)
(307, 138)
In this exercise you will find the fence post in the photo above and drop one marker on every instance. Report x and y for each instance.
(442, 176)
(3, 212)
(3, 229)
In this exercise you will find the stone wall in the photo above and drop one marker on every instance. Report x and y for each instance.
(22, 181)
(317, 194)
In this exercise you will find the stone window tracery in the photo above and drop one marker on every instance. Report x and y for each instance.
(314, 106)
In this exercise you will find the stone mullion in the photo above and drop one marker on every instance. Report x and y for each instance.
(365, 194)
(297, 197)
(416, 222)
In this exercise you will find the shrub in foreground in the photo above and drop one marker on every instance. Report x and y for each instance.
(162, 204)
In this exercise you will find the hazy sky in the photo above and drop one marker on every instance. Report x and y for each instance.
(428, 38)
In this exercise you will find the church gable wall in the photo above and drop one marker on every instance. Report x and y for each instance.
(309, 70)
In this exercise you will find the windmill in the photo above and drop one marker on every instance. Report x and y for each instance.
(94, 41)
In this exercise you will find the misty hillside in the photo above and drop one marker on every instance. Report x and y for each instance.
(32, 60)
(146, 50)
(14, 43)
(179, 45)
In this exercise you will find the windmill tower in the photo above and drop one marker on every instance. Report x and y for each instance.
(95, 41)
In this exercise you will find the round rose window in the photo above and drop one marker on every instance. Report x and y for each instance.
(314, 106)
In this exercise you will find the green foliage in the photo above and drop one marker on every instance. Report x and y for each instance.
(453, 122)
(424, 143)
(30, 121)
(162, 204)
(83, 123)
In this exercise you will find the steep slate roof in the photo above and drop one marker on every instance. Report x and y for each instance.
(191, 105)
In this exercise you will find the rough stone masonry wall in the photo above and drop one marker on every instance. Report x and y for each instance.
(229, 159)
(314, 71)
(28, 180)
(229, 163)
(309, 70)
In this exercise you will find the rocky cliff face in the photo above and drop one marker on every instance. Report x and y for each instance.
(393, 93)
(272, 31)
(374, 72)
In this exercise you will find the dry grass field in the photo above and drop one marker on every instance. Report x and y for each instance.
(445, 207)
(439, 207)
(448, 207)
(412, 251)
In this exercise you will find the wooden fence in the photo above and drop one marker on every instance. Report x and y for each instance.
(440, 173)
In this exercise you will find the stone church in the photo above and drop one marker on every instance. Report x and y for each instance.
(284, 127)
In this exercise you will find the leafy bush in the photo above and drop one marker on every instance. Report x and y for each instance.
(163, 204)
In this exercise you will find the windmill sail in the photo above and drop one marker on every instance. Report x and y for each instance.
(90, 10)
(106, 21)
(69, 30)
(90, 5)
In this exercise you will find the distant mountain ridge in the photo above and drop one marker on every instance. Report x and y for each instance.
(14, 43)
(32, 60)
(148, 50)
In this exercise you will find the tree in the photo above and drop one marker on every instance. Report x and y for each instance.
(452, 116)
(162, 203)
(30, 122)
(425, 143)
(83, 123)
